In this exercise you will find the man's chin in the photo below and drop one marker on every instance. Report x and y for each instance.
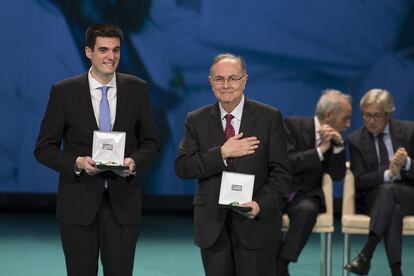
(109, 72)
(109, 69)
(373, 131)
(226, 100)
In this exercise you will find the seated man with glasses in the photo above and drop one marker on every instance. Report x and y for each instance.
(381, 161)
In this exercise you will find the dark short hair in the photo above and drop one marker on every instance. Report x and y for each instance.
(102, 30)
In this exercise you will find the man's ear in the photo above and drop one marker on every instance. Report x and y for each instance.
(88, 52)
(210, 80)
(328, 116)
(245, 81)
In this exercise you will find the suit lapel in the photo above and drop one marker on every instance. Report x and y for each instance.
(121, 101)
(84, 95)
(397, 135)
(247, 124)
(368, 145)
(248, 120)
(215, 125)
(309, 139)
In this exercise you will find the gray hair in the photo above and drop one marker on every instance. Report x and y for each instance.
(229, 56)
(331, 100)
(378, 96)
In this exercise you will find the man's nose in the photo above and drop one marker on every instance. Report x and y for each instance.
(111, 55)
(226, 83)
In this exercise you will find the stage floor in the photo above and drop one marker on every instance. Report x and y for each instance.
(30, 245)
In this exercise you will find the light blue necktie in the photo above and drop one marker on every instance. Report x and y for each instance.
(104, 116)
(104, 113)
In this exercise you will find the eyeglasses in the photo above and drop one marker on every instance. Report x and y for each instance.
(231, 80)
(374, 116)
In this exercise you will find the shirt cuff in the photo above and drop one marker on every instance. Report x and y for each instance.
(389, 179)
(408, 164)
(76, 171)
(337, 150)
(319, 154)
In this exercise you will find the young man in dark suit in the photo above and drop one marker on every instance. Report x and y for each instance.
(315, 146)
(384, 176)
(98, 211)
(232, 243)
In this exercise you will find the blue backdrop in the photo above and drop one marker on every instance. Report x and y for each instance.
(293, 49)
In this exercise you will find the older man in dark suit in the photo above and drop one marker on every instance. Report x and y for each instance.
(239, 135)
(381, 162)
(98, 211)
(315, 146)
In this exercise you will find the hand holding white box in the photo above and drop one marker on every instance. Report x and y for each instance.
(108, 150)
(236, 189)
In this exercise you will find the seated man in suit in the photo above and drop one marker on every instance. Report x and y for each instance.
(315, 146)
(240, 135)
(384, 176)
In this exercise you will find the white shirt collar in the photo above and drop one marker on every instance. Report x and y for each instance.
(317, 128)
(317, 123)
(386, 130)
(94, 84)
(237, 112)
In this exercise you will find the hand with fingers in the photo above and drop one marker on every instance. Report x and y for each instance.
(255, 209)
(398, 161)
(86, 163)
(131, 168)
(328, 137)
(238, 146)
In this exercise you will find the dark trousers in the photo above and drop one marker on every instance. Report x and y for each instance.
(115, 243)
(302, 217)
(229, 257)
(387, 205)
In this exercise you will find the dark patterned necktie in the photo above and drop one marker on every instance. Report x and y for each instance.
(384, 161)
(228, 133)
(229, 130)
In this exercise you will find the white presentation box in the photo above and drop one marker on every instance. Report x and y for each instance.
(108, 150)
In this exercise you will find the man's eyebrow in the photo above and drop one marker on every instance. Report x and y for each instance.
(106, 48)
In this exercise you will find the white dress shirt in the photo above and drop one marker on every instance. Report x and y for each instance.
(96, 96)
(237, 113)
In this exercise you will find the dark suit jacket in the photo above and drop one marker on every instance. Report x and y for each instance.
(307, 169)
(364, 160)
(66, 132)
(200, 157)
